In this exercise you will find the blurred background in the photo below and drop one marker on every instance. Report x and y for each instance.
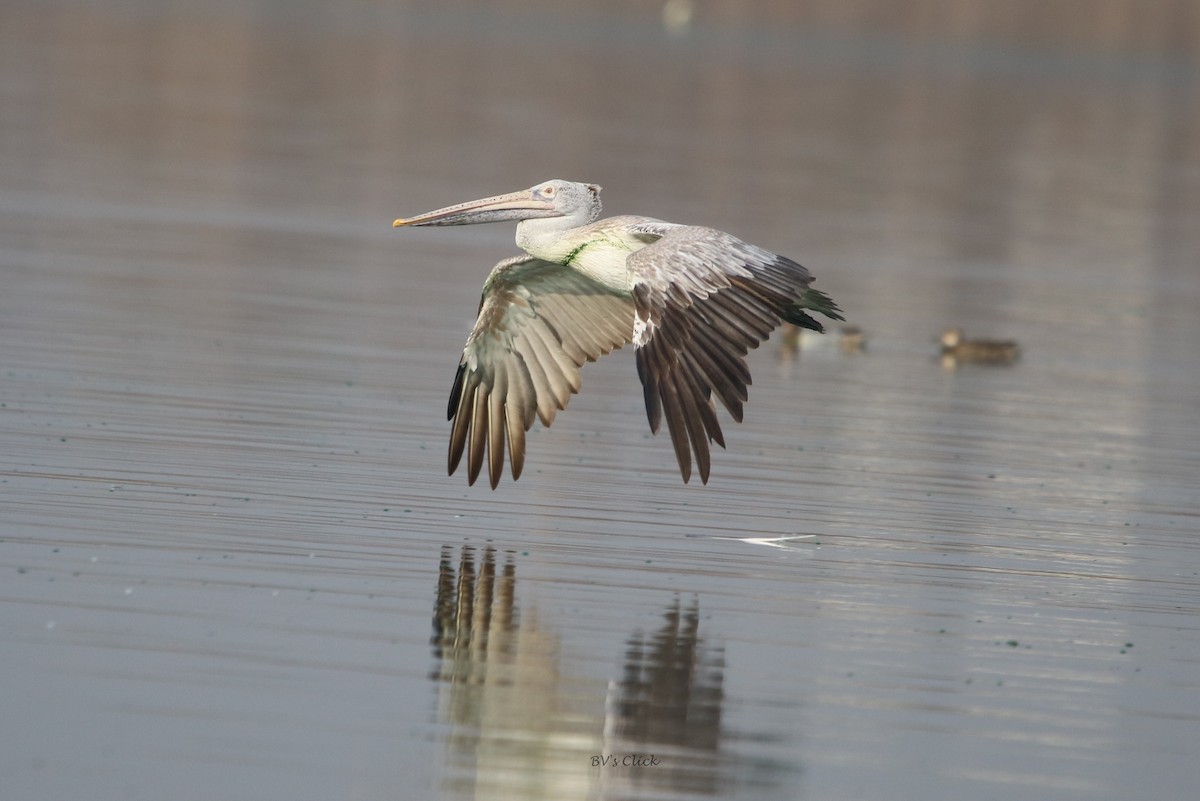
(224, 514)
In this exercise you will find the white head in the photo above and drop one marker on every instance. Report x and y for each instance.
(951, 337)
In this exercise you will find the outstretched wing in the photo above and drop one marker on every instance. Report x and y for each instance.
(704, 299)
(538, 323)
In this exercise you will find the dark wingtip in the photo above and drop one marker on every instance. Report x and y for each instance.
(456, 391)
(649, 392)
(813, 300)
(797, 317)
(818, 301)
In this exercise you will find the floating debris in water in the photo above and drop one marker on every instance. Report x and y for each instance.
(784, 542)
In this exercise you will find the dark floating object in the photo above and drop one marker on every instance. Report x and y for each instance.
(956, 349)
(692, 300)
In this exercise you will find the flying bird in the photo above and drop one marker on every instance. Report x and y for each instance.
(692, 300)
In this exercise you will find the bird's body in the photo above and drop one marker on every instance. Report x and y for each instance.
(957, 348)
(598, 249)
(692, 300)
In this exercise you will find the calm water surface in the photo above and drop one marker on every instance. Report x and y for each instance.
(234, 566)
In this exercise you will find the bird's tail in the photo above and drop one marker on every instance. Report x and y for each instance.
(814, 300)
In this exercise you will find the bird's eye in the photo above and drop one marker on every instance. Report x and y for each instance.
(547, 191)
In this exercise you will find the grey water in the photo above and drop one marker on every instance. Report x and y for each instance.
(233, 565)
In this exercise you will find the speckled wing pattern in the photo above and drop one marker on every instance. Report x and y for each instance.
(703, 300)
(538, 323)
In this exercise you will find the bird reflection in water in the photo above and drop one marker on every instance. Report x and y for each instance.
(523, 717)
(668, 703)
(473, 611)
(514, 725)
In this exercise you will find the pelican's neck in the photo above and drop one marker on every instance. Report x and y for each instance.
(543, 232)
(552, 238)
(592, 249)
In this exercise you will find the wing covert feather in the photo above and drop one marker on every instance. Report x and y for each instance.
(704, 299)
(538, 323)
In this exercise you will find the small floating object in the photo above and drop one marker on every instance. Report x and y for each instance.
(957, 348)
(852, 339)
(677, 16)
(783, 542)
(789, 341)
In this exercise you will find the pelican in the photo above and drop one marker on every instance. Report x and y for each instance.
(692, 300)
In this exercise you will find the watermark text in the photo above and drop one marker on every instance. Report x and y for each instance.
(625, 761)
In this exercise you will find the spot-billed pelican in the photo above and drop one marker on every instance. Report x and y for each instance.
(692, 300)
